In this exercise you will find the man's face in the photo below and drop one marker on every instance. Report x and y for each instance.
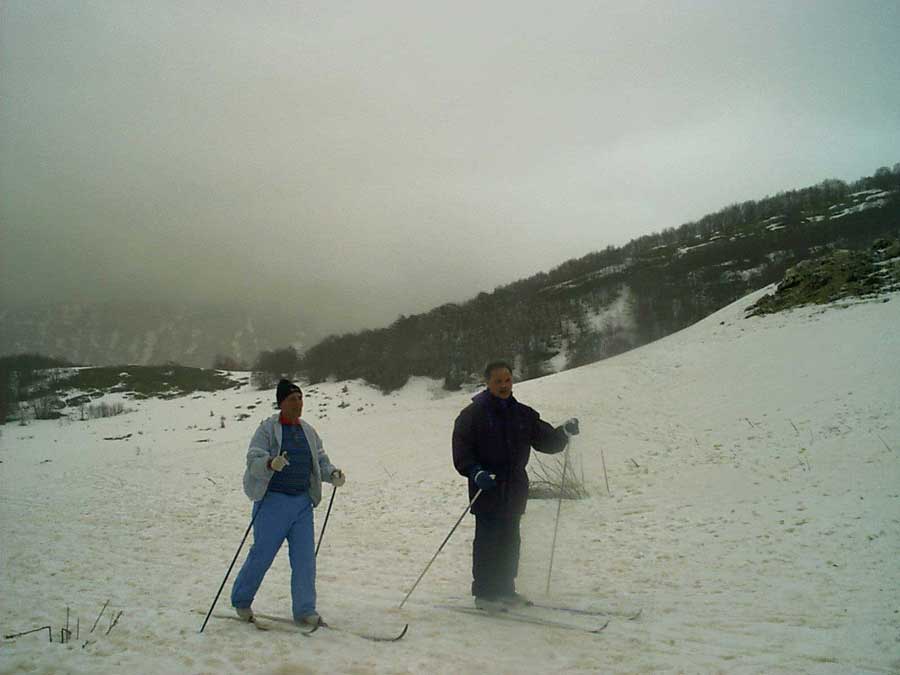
(292, 406)
(499, 383)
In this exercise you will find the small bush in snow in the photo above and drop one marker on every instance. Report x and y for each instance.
(47, 408)
(547, 480)
(106, 410)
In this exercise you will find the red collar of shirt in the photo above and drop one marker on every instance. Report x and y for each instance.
(285, 420)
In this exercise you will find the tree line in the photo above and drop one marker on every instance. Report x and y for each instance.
(659, 283)
(552, 314)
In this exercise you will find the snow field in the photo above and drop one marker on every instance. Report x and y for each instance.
(754, 516)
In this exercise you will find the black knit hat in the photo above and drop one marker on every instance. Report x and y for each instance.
(285, 389)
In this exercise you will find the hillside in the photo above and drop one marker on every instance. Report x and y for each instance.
(586, 309)
(608, 302)
(753, 517)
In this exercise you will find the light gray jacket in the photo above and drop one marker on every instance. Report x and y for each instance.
(266, 443)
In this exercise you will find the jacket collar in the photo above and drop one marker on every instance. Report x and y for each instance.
(487, 399)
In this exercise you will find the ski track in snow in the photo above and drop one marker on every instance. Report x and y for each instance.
(754, 516)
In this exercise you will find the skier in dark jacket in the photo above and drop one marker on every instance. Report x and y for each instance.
(492, 441)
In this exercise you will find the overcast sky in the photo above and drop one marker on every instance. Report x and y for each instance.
(366, 159)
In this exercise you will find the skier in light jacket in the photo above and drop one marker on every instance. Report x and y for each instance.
(286, 464)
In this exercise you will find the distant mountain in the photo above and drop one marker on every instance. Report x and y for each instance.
(143, 333)
(617, 299)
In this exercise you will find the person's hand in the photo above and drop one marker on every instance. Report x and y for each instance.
(571, 426)
(338, 478)
(279, 462)
(484, 480)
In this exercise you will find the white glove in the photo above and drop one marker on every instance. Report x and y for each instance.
(279, 462)
(338, 478)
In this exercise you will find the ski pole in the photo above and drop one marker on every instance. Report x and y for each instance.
(233, 560)
(562, 485)
(325, 522)
(440, 548)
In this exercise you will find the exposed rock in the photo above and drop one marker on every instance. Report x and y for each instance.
(840, 274)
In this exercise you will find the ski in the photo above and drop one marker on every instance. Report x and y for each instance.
(628, 615)
(264, 625)
(520, 617)
(364, 636)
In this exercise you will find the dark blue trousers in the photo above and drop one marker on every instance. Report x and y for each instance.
(495, 554)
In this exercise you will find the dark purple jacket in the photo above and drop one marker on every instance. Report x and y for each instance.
(499, 436)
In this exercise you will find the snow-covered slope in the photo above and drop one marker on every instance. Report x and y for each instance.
(754, 516)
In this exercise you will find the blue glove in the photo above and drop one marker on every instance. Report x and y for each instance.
(483, 479)
(571, 426)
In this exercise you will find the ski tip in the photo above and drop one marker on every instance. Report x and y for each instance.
(379, 638)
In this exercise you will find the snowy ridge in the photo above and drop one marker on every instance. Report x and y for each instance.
(753, 465)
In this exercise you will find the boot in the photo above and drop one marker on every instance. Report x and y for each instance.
(311, 620)
(489, 604)
(514, 600)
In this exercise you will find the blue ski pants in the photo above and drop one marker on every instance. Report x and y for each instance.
(278, 517)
